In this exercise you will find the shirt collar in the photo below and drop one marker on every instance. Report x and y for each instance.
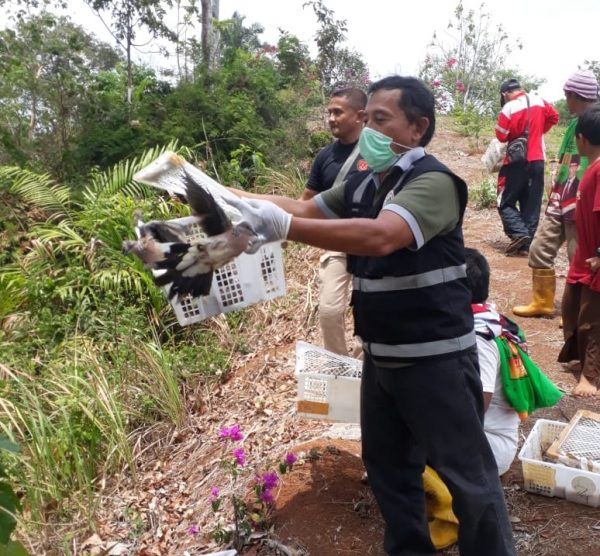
(403, 163)
(410, 158)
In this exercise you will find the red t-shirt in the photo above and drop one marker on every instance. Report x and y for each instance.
(587, 219)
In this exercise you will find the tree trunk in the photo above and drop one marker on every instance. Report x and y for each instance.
(210, 36)
(214, 35)
(206, 31)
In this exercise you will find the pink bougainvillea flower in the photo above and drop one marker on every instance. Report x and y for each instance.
(214, 492)
(450, 62)
(193, 530)
(240, 456)
(290, 459)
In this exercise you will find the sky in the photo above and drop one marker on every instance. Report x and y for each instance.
(392, 35)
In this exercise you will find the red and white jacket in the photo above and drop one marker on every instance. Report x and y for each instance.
(513, 119)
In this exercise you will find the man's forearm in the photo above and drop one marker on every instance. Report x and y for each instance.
(297, 207)
(355, 236)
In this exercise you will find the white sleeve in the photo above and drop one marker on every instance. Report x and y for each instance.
(489, 363)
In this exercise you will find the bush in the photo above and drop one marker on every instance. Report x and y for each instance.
(484, 195)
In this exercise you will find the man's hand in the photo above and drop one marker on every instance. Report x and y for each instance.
(269, 222)
(593, 263)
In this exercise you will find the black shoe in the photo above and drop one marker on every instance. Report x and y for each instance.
(516, 244)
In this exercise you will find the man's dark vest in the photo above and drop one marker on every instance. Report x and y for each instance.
(411, 305)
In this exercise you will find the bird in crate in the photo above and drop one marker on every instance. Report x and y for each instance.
(186, 265)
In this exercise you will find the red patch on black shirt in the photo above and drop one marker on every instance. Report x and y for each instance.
(362, 165)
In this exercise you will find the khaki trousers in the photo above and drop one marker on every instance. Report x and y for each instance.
(551, 234)
(334, 295)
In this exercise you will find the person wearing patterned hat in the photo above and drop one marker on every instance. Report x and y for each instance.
(558, 225)
(521, 182)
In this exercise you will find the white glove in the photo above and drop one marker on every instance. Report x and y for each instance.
(269, 222)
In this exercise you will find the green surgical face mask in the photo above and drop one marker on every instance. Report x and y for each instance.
(376, 149)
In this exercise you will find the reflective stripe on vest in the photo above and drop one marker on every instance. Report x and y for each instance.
(424, 280)
(424, 349)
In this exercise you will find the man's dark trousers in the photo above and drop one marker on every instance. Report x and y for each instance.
(524, 186)
(432, 413)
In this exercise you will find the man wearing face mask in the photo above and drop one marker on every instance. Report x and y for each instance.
(421, 395)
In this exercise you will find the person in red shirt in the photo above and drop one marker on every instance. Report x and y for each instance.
(581, 298)
(522, 183)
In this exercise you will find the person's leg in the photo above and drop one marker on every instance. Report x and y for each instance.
(394, 464)
(530, 201)
(546, 243)
(512, 179)
(588, 342)
(571, 238)
(441, 404)
(542, 254)
(333, 301)
(570, 307)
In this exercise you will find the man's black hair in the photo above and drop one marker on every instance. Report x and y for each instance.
(478, 275)
(356, 97)
(416, 100)
(588, 125)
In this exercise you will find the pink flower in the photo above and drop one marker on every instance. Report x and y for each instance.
(214, 492)
(193, 530)
(240, 457)
(460, 86)
(269, 480)
(435, 83)
(234, 433)
(290, 459)
(267, 497)
(450, 62)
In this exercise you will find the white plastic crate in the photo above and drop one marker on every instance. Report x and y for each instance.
(328, 384)
(244, 281)
(555, 479)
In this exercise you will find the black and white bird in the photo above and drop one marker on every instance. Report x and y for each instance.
(188, 265)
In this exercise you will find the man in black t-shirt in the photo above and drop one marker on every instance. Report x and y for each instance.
(332, 166)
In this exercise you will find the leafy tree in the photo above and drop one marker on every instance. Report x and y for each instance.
(593, 65)
(235, 36)
(465, 65)
(336, 65)
(293, 56)
(108, 133)
(128, 16)
(46, 62)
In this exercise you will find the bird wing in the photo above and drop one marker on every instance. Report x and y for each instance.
(165, 232)
(211, 216)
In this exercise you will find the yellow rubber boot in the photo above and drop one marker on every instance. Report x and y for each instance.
(544, 288)
(443, 525)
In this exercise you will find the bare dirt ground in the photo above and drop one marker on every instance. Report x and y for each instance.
(322, 508)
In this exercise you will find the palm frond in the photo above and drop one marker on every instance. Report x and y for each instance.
(119, 179)
(39, 190)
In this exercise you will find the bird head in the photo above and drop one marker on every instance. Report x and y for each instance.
(128, 246)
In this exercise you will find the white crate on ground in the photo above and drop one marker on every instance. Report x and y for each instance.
(246, 280)
(555, 479)
(328, 384)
